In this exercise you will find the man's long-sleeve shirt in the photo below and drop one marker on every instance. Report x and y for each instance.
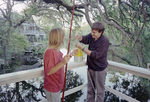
(98, 58)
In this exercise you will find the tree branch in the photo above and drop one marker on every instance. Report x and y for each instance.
(120, 57)
(111, 23)
(144, 18)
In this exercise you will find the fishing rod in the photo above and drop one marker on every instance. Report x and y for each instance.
(68, 50)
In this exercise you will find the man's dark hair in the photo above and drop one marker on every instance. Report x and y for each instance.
(98, 26)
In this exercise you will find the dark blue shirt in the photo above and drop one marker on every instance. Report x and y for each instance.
(98, 58)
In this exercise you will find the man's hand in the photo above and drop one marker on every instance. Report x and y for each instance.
(77, 36)
(78, 45)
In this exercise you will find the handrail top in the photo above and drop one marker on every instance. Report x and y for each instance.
(38, 72)
(72, 65)
(130, 67)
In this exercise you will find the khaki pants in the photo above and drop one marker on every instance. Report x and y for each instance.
(52, 96)
(96, 81)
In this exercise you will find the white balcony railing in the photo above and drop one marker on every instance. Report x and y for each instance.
(38, 72)
(32, 32)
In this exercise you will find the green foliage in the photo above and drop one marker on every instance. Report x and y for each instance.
(129, 16)
(134, 90)
(39, 50)
(18, 43)
(71, 82)
(14, 43)
(31, 9)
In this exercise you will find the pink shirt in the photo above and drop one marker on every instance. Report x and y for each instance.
(53, 82)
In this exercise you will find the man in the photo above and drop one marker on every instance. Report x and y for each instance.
(96, 60)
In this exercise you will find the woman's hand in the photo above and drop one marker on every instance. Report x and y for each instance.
(74, 52)
(66, 59)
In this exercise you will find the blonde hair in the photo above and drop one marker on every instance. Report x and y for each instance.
(56, 37)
